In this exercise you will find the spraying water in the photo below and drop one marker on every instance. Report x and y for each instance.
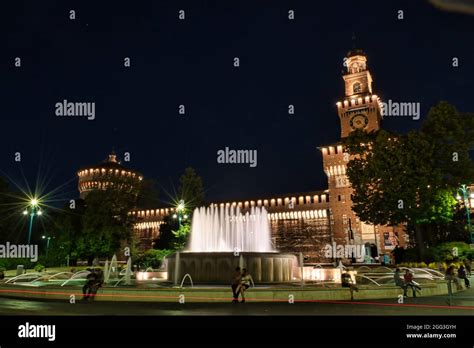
(224, 229)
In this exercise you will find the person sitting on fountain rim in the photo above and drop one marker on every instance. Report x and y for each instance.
(244, 284)
(410, 283)
(236, 284)
(400, 282)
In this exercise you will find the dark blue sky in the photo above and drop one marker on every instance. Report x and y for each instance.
(191, 62)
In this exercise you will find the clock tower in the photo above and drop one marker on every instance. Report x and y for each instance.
(360, 109)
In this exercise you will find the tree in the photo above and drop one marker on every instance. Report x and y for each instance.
(181, 236)
(7, 204)
(166, 237)
(191, 189)
(65, 231)
(148, 195)
(106, 223)
(411, 178)
(173, 235)
(452, 136)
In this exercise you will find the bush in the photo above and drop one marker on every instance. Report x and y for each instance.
(451, 252)
(9, 264)
(433, 265)
(417, 265)
(445, 252)
(39, 268)
(153, 258)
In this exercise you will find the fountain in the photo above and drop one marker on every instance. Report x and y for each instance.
(128, 272)
(223, 238)
(190, 280)
(112, 273)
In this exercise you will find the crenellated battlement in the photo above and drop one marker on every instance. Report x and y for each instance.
(354, 105)
(277, 205)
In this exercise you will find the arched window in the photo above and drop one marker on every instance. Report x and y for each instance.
(355, 68)
(356, 87)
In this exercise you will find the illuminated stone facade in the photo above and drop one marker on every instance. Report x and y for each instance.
(360, 109)
(109, 174)
(304, 222)
(298, 221)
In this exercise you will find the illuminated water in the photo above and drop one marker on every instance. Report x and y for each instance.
(223, 229)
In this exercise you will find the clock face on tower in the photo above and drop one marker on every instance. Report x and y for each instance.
(359, 121)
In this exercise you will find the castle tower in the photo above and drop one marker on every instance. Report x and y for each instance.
(360, 109)
(109, 174)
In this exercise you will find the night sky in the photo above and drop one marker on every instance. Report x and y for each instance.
(190, 62)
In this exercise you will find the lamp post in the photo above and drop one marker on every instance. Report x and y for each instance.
(47, 244)
(179, 212)
(34, 211)
(464, 191)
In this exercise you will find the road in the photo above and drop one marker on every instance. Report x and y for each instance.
(463, 304)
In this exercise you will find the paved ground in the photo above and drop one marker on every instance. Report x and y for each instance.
(462, 304)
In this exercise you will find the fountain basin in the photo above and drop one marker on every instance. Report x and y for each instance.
(219, 267)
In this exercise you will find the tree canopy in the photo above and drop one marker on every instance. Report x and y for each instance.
(191, 189)
(412, 178)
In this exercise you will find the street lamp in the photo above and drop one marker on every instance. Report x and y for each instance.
(47, 243)
(34, 210)
(464, 191)
(180, 210)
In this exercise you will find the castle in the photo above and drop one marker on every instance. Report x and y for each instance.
(300, 222)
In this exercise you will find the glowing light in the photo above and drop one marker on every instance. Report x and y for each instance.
(39, 212)
(34, 202)
(25, 212)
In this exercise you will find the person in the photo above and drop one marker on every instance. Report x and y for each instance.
(244, 284)
(86, 289)
(97, 283)
(467, 264)
(408, 277)
(462, 275)
(236, 279)
(346, 282)
(400, 282)
(450, 276)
